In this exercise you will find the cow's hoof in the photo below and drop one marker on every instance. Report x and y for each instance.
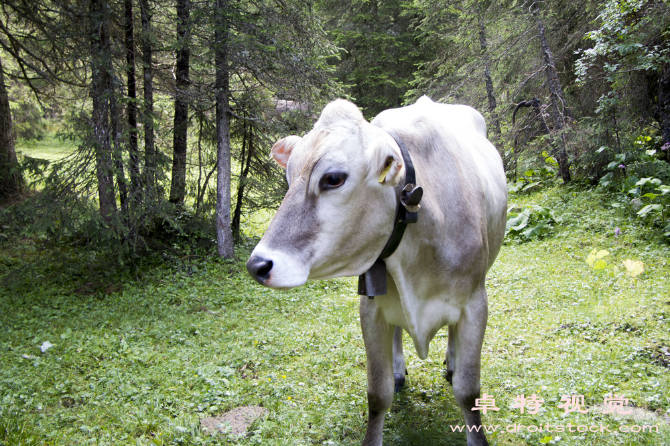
(448, 375)
(399, 381)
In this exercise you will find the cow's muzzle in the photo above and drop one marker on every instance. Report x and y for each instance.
(259, 268)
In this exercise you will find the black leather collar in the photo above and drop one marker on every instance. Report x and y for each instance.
(373, 281)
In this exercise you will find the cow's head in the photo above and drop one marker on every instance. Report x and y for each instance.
(338, 212)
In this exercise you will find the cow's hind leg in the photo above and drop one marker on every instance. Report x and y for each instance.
(399, 367)
(378, 339)
(450, 360)
(469, 335)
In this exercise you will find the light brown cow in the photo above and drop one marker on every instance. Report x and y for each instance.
(345, 179)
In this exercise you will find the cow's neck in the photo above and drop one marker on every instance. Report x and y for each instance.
(373, 282)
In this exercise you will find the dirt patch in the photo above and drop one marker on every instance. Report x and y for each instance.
(657, 354)
(638, 414)
(235, 422)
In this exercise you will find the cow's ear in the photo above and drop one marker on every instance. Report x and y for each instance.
(282, 149)
(385, 161)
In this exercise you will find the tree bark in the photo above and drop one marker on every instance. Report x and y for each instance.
(224, 234)
(247, 154)
(11, 179)
(178, 187)
(148, 112)
(101, 92)
(131, 110)
(558, 107)
(489, 81)
(117, 152)
(664, 110)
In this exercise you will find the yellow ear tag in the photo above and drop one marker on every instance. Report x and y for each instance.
(382, 177)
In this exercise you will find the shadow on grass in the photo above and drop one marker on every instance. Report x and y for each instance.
(425, 417)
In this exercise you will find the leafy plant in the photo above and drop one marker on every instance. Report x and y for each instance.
(596, 259)
(533, 178)
(532, 221)
(659, 201)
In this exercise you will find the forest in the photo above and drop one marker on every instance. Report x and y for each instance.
(136, 179)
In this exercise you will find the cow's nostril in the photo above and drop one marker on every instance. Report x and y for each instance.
(264, 270)
(259, 268)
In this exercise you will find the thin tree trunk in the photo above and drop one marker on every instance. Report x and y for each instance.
(148, 112)
(117, 152)
(131, 110)
(246, 160)
(178, 187)
(558, 104)
(101, 92)
(224, 234)
(11, 179)
(664, 109)
(489, 81)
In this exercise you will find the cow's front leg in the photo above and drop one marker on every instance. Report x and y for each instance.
(399, 367)
(450, 360)
(378, 339)
(468, 338)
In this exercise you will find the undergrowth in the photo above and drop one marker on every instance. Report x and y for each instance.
(143, 358)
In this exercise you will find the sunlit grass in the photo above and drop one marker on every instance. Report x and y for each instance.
(197, 337)
(49, 148)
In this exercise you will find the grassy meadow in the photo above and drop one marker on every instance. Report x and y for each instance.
(140, 357)
(49, 148)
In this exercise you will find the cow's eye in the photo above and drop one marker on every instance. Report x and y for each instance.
(332, 180)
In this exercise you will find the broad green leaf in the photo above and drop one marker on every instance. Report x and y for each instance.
(649, 208)
(591, 258)
(520, 222)
(650, 195)
(600, 264)
(631, 181)
(645, 181)
(602, 253)
(531, 185)
(534, 231)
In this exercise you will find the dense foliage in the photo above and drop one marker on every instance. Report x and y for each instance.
(576, 90)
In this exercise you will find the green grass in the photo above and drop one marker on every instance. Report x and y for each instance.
(49, 148)
(144, 361)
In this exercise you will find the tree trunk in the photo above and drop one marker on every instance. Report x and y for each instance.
(11, 179)
(558, 104)
(247, 143)
(117, 152)
(131, 110)
(178, 187)
(101, 92)
(664, 110)
(148, 114)
(224, 234)
(489, 81)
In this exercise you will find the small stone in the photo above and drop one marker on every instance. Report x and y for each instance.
(235, 422)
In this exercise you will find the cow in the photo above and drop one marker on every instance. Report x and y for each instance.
(346, 182)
